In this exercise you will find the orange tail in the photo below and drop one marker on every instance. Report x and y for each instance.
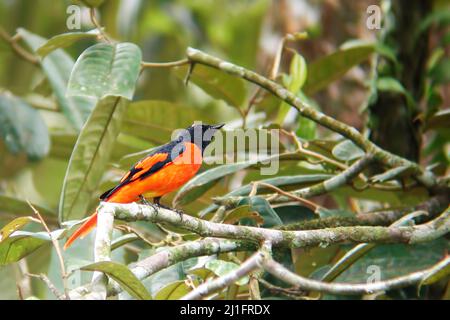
(85, 228)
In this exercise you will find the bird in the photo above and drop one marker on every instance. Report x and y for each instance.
(163, 170)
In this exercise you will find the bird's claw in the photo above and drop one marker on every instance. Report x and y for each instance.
(147, 203)
(157, 206)
(180, 212)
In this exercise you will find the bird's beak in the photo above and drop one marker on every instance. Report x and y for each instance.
(218, 126)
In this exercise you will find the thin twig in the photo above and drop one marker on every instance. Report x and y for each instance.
(170, 256)
(50, 285)
(280, 272)
(57, 249)
(98, 25)
(315, 190)
(17, 49)
(309, 204)
(210, 287)
(293, 293)
(311, 153)
(171, 64)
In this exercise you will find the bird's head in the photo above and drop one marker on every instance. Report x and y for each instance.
(200, 134)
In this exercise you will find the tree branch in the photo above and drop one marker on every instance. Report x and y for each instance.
(434, 206)
(251, 264)
(96, 290)
(318, 189)
(425, 177)
(17, 49)
(170, 256)
(294, 239)
(280, 272)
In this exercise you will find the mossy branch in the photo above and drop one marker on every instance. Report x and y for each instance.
(294, 239)
(427, 178)
(315, 190)
(280, 272)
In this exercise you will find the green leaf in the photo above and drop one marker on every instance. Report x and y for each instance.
(242, 212)
(395, 260)
(439, 17)
(325, 213)
(391, 174)
(122, 275)
(440, 119)
(173, 291)
(92, 3)
(221, 268)
(18, 206)
(329, 68)
(57, 66)
(217, 84)
(90, 156)
(294, 82)
(106, 69)
(440, 74)
(14, 225)
(306, 127)
(21, 243)
(155, 120)
(298, 72)
(262, 206)
(394, 85)
(65, 40)
(201, 183)
(347, 150)
(15, 248)
(438, 272)
(22, 128)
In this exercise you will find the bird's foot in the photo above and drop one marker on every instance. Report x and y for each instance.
(148, 203)
(179, 211)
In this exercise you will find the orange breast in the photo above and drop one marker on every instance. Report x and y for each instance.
(169, 178)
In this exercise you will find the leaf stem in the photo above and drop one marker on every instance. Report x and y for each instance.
(17, 49)
(171, 64)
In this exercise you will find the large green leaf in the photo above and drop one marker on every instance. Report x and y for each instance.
(64, 40)
(439, 271)
(329, 68)
(57, 67)
(14, 225)
(22, 128)
(121, 274)
(395, 260)
(173, 291)
(217, 84)
(347, 150)
(90, 156)
(20, 207)
(22, 243)
(106, 69)
(262, 206)
(298, 72)
(155, 120)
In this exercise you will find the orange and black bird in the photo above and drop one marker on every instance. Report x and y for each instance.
(163, 170)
